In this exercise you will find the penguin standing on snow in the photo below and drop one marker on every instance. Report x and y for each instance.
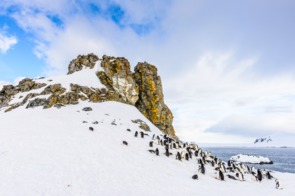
(268, 175)
(278, 184)
(220, 175)
(167, 151)
(157, 151)
(136, 133)
(142, 134)
(202, 168)
(151, 143)
(240, 175)
(259, 175)
(178, 156)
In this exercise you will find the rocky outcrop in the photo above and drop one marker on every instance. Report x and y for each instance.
(9, 91)
(119, 77)
(143, 89)
(151, 99)
(82, 60)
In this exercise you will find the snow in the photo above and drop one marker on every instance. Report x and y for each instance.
(51, 152)
(243, 158)
(85, 77)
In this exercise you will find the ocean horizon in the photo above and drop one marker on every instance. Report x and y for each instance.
(283, 158)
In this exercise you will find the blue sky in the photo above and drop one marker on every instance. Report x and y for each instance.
(228, 67)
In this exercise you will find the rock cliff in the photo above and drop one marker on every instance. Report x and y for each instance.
(141, 88)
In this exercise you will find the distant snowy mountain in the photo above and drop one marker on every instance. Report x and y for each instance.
(80, 134)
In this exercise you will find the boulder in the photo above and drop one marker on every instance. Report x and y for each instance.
(82, 60)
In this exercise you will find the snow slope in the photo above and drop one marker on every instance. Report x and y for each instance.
(51, 152)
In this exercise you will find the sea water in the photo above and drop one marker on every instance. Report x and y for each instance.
(283, 158)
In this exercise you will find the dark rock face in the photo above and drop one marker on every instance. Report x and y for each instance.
(82, 60)
(37, 102)
(151, 99)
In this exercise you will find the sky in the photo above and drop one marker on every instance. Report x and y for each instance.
(227, 67)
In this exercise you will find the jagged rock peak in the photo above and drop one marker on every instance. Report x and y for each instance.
(82, 60)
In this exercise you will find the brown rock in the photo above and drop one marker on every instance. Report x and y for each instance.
(82, 60)
(117, 76)
(151, 100)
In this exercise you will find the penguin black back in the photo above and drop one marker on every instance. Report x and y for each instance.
(157, 151)
(151, 143)
(136, 133)
(259, 175)
(195, 177)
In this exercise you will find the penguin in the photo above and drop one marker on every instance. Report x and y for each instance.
(202, 168)
(151, 151)
(157, 151)
(174, 145)
(268, 175)
(231, 177)
(195, 177)
(136, 133)
(240, 176)
(91, 129)
(196, 153)
(167, 151)
(278, 184)
(125, 143)
(153, 137)
(151, 143)
(220, 175)
(142, 134)
(229, 163)
(128, 130)
(186, 156)
(212, 163)
(178, 156)
(161, 142)
(259, 175)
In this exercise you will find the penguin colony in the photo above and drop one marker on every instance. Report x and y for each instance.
(165, 145)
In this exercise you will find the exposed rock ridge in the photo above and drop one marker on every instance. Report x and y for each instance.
(143, 89)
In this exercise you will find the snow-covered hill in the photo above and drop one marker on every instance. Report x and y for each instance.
(70, 150)
(52, 152)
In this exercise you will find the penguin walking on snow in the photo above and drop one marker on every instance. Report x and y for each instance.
(151, 143)
(136, 133)
(157, 151)
(278, 184)
(220, 175)
(259, 175)
(268, 175)
(202, 168)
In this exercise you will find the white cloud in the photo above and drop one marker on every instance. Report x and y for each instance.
(222, 95)
(219, 89)
(6, 42)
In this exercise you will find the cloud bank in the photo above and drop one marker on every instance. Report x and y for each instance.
(227, 68)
